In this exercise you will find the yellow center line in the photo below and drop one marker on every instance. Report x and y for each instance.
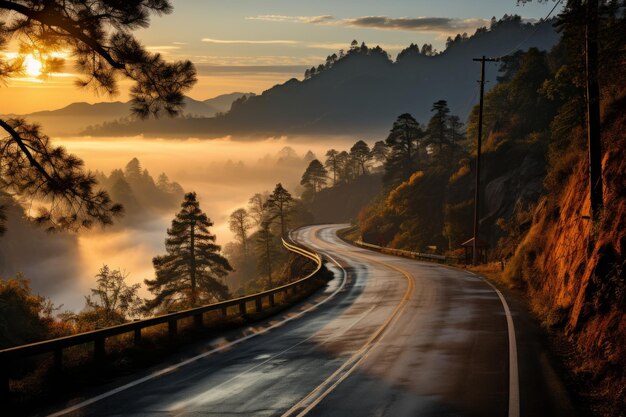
(305, 405)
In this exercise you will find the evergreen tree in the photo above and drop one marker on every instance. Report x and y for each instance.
(346, 167)
(314, 177)
(279, 204)
(360, 154)
(437, 130)
(133, 171)
(380, 151)
(404, 147)
(332, 163)
(266, 250)
(163, 182)
(190, 272)
(309, 156)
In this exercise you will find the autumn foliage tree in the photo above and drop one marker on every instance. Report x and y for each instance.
(24, 316)
(97, 34)
(190, 272)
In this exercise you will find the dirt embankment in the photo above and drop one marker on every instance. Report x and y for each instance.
(573, 270)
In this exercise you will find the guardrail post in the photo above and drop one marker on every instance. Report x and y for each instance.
(259, 304)
(172, 326)
(58, 360)
(242, 307)
(197, 320)
(98, 349)
(137, 338)
(272, 302)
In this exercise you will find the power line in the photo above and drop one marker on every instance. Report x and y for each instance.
(534, 32)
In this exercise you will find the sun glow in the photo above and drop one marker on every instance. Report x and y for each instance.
(32, 66)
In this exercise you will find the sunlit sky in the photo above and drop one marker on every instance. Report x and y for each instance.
(251, 45)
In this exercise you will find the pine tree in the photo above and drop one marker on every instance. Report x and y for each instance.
(437, 131)
(314, 177)
(266, 250)
(346, 167)
(360, 153)
(190, 272)
(380, 151)
(98, 36)
(404, 144)
(279, 204)
(332, 163)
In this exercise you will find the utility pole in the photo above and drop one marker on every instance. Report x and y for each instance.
(478, 147)
(593, 110)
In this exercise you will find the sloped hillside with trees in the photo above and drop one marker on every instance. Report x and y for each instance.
(535, 196)
(359, 90)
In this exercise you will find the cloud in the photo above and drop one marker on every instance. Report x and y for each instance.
(413, 24)
(416, 24)
(160, 48)
(292, 19)
(346, 45)
(251, 42)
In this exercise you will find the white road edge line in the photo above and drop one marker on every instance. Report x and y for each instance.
(173, 368)
(514, 400)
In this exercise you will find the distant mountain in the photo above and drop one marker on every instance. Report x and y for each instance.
(222, 103)
(362, 92)
(76, 117)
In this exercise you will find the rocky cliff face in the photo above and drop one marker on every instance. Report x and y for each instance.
(573, 269)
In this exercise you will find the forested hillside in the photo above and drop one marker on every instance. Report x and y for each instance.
(360, 89)
(535, 211)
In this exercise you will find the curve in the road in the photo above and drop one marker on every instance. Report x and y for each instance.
(389, 337)
(210, 352)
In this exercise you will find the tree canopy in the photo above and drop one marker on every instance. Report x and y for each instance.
(190, 272)
(279, 205)
(314, 177)
(97, 34)
(404, 142)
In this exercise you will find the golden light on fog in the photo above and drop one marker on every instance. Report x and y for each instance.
(32, 66)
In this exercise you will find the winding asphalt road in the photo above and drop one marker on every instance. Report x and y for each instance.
(387, 337)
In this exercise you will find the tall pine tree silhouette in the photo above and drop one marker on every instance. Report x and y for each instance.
(279, 204)
(190, 272)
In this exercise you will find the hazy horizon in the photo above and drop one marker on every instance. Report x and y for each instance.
(224, 173)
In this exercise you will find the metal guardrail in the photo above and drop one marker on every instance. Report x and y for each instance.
(408, 254)
(98, 337)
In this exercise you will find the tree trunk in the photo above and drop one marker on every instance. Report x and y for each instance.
(593, 111)
(192, 269)
(268, 255)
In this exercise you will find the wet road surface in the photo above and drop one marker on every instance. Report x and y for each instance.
(388, 337)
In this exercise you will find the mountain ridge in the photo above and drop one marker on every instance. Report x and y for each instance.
(78, 116)
(363, 91)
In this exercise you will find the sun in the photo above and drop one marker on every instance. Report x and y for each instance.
(32, 66)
